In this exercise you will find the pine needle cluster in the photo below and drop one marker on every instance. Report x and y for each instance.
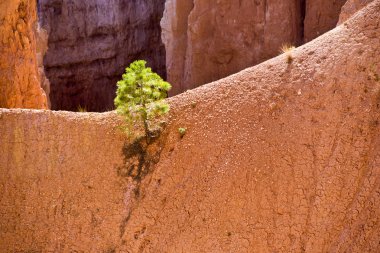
(140, 97)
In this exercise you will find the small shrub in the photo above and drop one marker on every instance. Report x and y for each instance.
(182, 131)
(373, 75)
(82, 109)
(287, 50)
(140, 97)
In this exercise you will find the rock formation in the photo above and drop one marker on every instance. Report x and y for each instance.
(320, 17)
(277, 158)
(175, 37)
(281, 157)
(220, 38)
(91, 43)
(19, 76)
(350, 7)
(208, 40)
(42, 47)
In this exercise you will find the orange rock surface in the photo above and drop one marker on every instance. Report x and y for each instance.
(281, 157)
(19, 77)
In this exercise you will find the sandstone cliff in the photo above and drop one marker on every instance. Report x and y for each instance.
(208, 40)
(42, 47)
(320, 17)
(277, 158)
(91, 43)
(19, 76)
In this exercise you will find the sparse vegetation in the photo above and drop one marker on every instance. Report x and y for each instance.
(140, 97)
(373, 73)
(287, 50)
(82, 109)
(182, 131)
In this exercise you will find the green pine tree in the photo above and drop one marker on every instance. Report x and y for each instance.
(140, 96)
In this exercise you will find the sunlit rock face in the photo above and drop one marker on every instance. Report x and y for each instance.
(90, 44)
(207, 40)
(20, 78)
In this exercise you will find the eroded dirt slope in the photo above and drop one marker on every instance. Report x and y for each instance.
(277, 158)
(59, 189)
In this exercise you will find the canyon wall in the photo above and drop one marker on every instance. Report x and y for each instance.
(220, 38)
(321, 16)
(208, 40)
(91, 43)
(19, 75)
(281, 157)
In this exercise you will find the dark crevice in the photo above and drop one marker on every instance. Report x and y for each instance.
(140, 157)
(123, 225)
(303, 16)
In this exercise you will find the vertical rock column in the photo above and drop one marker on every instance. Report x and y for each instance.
(19, 78)
(174, 36)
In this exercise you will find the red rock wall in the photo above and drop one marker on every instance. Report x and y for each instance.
(321, 16)
(208, 40)
(19, 77)
(174, 26)
(92, 42)
(277, 158)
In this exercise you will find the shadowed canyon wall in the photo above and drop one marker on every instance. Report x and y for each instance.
(91, 43)
(20, 76)
(208, 40)
(281, 157)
